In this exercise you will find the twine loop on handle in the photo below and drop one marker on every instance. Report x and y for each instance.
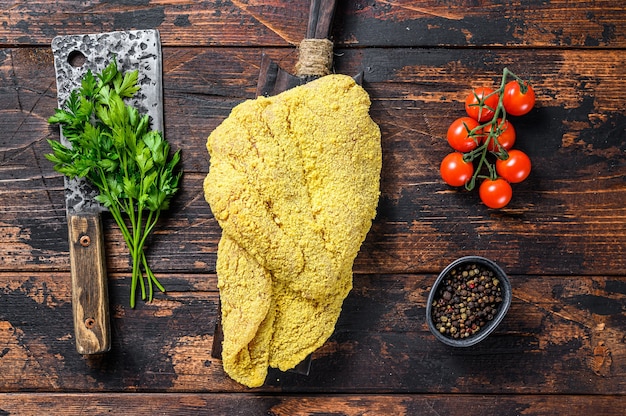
(315, 58)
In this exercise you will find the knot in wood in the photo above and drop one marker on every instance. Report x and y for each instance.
(315, 58)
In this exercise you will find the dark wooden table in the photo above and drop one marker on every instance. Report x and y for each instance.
(560, 350)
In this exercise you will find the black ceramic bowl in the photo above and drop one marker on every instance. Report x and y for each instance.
(465, 292)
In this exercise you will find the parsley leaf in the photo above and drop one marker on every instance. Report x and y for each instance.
(112, 146)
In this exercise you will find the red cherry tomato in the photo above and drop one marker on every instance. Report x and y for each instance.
(495, 193)
(454, 170)
(516, 168)
(481, 104)
(458, 134)
(518, 99)
(506, 136)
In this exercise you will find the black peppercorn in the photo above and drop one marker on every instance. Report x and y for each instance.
(466, 301)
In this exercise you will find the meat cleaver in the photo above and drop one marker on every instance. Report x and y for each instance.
(272, 81)
(73, 56)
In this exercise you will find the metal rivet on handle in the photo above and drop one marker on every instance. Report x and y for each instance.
(85, 241)
(90, 322)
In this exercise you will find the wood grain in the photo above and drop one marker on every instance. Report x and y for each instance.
(288, 405)
(569, 212)
(90, 295)
(561, 240)
(562, 335)
(368, 23)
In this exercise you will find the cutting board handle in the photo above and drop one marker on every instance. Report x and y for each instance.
(90, 298)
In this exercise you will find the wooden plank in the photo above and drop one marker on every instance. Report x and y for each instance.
(562, 335)
(282, 405)
(578, 228)
(568, 217)
(364, 23)
(561, 240)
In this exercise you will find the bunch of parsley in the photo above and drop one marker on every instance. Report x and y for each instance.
(112, 146)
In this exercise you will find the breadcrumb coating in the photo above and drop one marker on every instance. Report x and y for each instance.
(294, 184)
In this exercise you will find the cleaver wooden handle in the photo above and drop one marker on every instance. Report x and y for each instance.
(90, 298)
(321, 13)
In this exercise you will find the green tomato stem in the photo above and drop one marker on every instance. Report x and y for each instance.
(495, 124)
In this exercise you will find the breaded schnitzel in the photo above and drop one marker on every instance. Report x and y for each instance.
(294, 184)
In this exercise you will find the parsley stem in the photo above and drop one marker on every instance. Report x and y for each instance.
(112, 147)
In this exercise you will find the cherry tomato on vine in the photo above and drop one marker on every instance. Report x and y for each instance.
(495, 193)
(454, 170)
(481, 104)
(458, 134)
(516, 168)
(518, 99)
(506, 138)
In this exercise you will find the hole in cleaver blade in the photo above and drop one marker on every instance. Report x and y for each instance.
(137, 49)
(134, 50)
(74, 55)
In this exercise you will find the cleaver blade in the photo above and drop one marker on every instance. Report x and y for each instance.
(272, 81)
(73, 56)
